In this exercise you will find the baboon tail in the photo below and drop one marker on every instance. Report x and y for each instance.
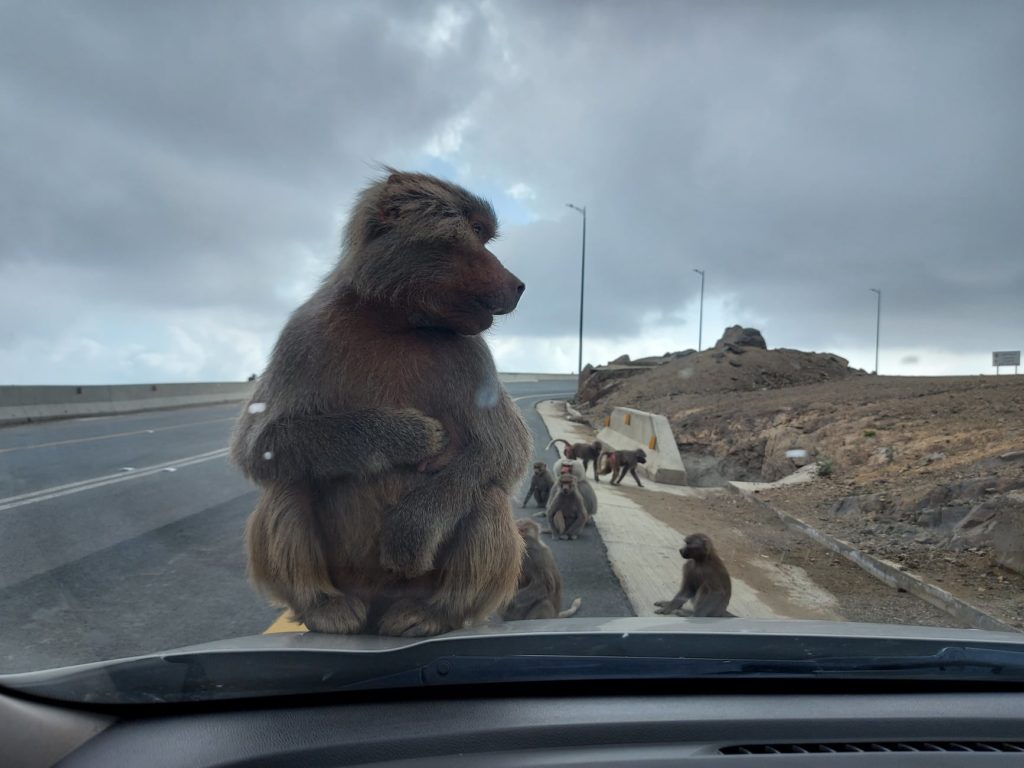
(571, 609)
(557, 440)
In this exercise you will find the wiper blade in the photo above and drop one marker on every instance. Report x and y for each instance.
(462, 670)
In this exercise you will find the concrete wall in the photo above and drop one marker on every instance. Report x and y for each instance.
(628, 428)
(19, 405)
(24, 404)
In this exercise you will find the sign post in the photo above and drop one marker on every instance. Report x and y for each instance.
(1006, 358)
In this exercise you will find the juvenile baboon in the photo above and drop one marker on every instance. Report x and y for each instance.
(540, 484)
(619, 462)
(705, 580)
(384, 443)
(540, 583)
(567, 509)
(585, 452)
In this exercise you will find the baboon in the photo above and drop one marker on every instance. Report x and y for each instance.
(567, 509)
(619, 462)
(380, 434)
(575, 467)
(585, 452)
(540, 484)
(705, 580)
(540, 583)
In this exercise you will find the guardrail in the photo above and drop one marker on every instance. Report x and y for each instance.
(24, 404)
(19, 405)
(628, 429)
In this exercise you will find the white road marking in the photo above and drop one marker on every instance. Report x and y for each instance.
(127, 473)
(112, 436)
(98, 482)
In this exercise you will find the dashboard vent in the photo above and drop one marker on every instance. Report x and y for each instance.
(874, 746)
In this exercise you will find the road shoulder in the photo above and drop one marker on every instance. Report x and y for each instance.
(775, 573)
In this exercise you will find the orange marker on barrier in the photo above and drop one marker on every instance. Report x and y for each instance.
(626, 418)
(653, 443)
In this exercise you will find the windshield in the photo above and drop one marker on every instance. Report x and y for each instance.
(354, 327)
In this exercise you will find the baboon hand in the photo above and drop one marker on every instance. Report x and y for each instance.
(426, 436)
(437, 462)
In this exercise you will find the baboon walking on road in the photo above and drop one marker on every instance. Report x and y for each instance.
(705, 581)
(619, 462)
(386, 483)
(540, 584)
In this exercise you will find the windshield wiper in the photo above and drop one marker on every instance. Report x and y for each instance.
(975, 663)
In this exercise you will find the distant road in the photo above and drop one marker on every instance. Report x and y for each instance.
(122, 535)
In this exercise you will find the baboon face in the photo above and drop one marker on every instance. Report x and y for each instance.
(567, 484)
(527, 528)
(539, 467)
(641, 456)
(696, 547)
(422, 249)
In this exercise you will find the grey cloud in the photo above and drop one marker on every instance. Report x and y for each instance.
(196, 159)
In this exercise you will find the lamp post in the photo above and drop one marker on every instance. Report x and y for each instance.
(583, 272)
(700, 322)
(878, 324)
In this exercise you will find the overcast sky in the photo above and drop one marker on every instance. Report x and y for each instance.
(174, 176)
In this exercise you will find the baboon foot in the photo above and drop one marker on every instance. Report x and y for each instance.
(408, 618)
(340, 615)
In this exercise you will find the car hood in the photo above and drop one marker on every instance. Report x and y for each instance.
(662, 648)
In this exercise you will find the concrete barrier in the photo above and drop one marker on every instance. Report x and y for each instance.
(525, 378)
(19, 405)
(628, 428)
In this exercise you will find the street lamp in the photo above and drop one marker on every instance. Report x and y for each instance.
(700, 323)
(583, 269)
(878, 324)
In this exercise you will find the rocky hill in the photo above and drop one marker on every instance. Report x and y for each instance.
(928, 472)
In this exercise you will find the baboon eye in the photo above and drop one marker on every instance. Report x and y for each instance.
(478, 229)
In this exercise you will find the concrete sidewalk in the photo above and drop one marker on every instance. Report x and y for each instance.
(644, 551)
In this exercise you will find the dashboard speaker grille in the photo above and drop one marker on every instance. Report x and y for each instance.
(873, 746)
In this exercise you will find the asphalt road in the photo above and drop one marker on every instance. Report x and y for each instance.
(122, 535)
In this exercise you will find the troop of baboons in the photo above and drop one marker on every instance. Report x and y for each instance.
(385, 504)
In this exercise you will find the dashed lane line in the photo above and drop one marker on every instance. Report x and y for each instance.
(56, 492)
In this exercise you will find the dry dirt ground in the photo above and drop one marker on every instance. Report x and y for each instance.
(925, 472)
(743, 531)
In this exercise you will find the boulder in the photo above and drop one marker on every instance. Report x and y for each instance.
(997, 523)
(741, 337)
(870, 505)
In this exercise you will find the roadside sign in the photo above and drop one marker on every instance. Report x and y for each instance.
(1006, 358)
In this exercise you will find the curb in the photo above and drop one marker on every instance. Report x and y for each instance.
(887, 572)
